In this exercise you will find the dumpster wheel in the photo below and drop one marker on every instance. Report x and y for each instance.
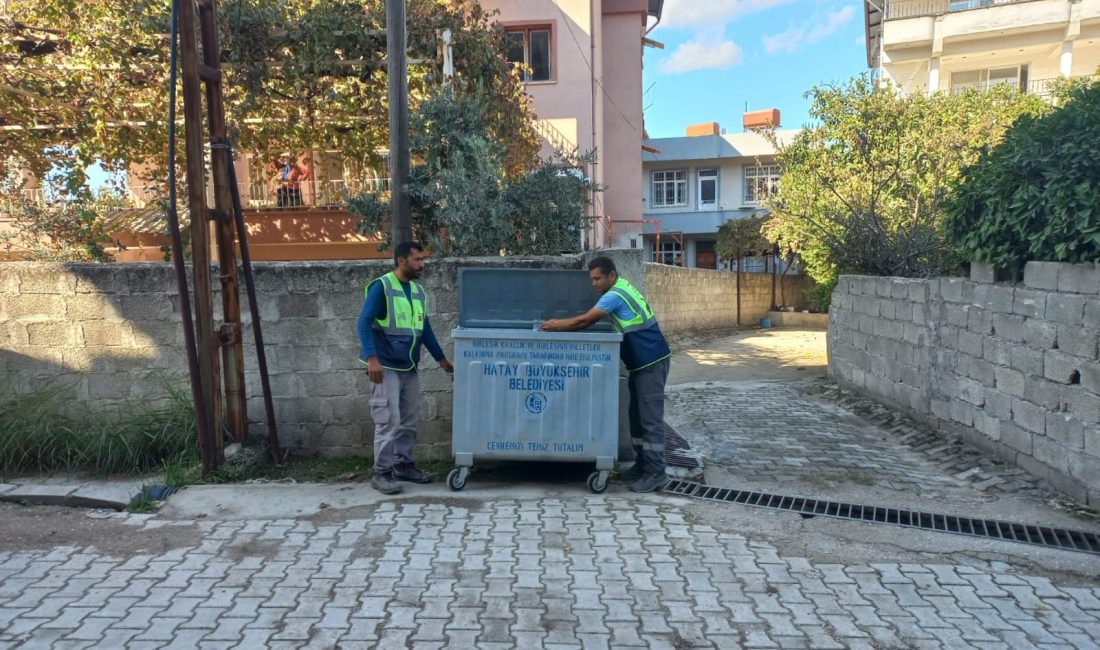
(456, 478)
(597, 482)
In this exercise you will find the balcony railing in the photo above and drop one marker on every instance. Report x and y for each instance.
(897, 9)
(265, 195)
(1040, 87)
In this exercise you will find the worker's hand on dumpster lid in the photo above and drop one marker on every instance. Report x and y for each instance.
(551, 325)
(446, 366)
(374, 370)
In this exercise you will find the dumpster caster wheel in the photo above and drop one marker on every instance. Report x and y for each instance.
(597, 482)
(456, 479)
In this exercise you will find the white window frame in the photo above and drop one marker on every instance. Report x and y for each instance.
(659, 188)
(757, 178)
(707, 175)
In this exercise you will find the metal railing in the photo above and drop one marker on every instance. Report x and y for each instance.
(268, 194)
(1040, 87)
(897, 9)
(555, 138)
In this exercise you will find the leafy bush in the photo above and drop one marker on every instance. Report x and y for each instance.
(465, 198)
(1036, 195)
(820, 295)
(863, 187)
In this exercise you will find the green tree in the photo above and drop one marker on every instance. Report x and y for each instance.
(863, 189)
(67, 229)
(85, 81)
(740, 236)
(463, 200)
(1036, 195)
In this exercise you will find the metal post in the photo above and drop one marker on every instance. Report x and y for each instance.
(397, 72)
(739, 286)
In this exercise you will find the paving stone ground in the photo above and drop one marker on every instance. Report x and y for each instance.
(500, 567)
(582, 572)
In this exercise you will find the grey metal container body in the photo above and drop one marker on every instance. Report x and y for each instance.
(531, 395)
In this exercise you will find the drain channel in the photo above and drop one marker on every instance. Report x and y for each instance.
(1061, 538)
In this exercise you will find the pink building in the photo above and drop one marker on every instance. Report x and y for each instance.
(584, 60)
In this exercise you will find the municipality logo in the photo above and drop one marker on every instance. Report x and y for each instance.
(536, 403)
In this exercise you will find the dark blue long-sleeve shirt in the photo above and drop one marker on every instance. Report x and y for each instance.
(374, 307)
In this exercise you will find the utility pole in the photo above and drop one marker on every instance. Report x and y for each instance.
(397, 72)
(225, 340)
(211, 447)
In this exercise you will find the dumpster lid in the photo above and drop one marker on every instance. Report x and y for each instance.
(519, 298)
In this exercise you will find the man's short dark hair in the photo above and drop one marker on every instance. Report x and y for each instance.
(404, 248)
(604, 264)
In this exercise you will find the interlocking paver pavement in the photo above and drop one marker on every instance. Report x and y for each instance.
(607, 571)
(770, 433)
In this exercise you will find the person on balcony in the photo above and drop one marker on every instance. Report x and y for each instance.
(289, 177)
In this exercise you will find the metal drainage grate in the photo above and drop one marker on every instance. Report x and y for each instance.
(1070, 540)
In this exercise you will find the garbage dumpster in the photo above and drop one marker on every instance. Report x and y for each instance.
(522, 394)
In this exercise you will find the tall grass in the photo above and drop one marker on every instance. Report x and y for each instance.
(39, 432)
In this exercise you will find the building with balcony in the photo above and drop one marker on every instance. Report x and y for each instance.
(582, 62)
(948, 45)
(696, 183)
(583, 68)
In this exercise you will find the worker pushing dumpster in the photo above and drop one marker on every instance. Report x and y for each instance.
(527, 395)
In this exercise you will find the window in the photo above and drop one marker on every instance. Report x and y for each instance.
(1015, 76)
(761, 181)
(669, 189)
(670, 253)
(708, 189)
(529, 47)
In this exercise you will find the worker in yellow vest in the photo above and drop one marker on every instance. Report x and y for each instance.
(392, 325)
(646, 355)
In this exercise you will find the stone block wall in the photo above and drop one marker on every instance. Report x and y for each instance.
(1012, 368)
(112, 332)
(691, 300)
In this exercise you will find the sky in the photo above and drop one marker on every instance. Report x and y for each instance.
(721, 54)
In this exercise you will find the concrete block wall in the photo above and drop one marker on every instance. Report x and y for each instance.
(112, 332)
(690, 300)
(1013, 368)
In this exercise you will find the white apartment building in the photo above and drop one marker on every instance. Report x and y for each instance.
(945, 45)
(694, 184)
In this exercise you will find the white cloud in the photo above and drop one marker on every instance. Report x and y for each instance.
(708, 13)
(799, 36)
(710, 51)
(861, 40)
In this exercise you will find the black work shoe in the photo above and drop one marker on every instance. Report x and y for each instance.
(410, 473)
(384, 482)
(649, 482)
(633, 473)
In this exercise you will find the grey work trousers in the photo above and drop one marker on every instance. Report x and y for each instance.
(647, 415)
(395, 409)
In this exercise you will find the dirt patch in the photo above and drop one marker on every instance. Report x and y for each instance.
(46, 527)
(774, 353)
